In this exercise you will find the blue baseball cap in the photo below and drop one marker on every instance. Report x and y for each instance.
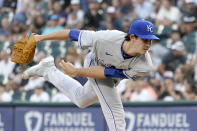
(54, 17)
(143, 29)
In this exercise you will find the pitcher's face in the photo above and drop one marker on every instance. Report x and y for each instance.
(143, 45)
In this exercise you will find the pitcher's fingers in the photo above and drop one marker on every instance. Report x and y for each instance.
(63, 62)
(61, 65)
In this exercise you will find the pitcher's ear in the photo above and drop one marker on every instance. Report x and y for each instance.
(132, 36)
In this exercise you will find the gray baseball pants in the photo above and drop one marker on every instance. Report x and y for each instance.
(102, 90)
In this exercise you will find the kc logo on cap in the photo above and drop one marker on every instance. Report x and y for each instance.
(149, 28)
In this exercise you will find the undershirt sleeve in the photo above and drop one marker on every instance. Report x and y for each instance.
(74, 34)
(114, 73)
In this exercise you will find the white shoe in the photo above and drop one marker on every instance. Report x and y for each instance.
(39, 69)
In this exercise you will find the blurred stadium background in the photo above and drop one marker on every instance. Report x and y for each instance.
(166, 100)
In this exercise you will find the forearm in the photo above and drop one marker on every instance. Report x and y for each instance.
(92, 72)
(59, 35)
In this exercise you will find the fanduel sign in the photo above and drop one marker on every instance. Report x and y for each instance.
(59, 119)
(160, 119)
(92, 119)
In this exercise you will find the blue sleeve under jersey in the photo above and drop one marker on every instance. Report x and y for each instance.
(111, 72)
(74, 34)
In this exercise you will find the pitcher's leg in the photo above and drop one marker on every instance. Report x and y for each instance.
(111, 105)
(81, 96)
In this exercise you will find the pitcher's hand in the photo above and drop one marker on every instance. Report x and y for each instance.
(68, 68)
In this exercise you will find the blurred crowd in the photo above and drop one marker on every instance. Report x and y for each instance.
(174, 74)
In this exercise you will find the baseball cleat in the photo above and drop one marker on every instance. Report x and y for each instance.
(38, 70)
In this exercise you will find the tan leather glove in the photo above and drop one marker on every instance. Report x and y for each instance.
(24, 49)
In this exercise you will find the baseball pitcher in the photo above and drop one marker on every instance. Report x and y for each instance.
(115, 55)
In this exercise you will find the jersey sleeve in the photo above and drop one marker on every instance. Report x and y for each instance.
(134, 75)
(140, 68)
(91, 38)
(87, 38)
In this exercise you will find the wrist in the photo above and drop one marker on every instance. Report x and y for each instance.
(37, 38)
(77, 72)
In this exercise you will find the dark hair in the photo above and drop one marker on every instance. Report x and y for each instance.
(127, 37)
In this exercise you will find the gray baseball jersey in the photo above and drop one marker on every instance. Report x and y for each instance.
(108, 52)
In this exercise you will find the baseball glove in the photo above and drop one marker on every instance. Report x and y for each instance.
(24, 49)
